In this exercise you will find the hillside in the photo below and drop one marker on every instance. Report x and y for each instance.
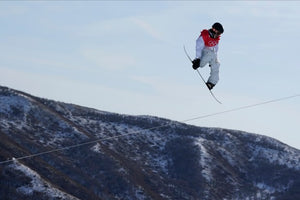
(82, 153)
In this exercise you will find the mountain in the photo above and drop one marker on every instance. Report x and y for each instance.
(55, 150)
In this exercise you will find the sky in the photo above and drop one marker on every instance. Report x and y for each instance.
(127, 57)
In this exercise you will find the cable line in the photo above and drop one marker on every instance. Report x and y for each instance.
(135, 132)
(243, 107)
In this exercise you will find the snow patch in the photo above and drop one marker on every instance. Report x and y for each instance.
(266, 188)
(290, 159)
(37, 184)
(7, 102)
(205, 159)
(97, 148)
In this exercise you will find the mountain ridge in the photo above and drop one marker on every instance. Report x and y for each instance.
(134, 157)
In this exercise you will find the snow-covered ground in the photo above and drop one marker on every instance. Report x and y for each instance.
(38, 184)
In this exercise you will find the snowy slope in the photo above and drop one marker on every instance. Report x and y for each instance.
(117, 156)
(37, 184)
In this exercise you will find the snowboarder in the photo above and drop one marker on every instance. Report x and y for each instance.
(207, 46)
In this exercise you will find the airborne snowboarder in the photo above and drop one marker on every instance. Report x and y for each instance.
(207, 46)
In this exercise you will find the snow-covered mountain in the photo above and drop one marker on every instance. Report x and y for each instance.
(82, 153)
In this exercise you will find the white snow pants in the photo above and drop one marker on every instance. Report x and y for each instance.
(209, 56)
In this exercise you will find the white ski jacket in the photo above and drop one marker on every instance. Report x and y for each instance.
(208, 55)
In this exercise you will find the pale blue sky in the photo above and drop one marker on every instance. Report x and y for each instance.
(127, 57)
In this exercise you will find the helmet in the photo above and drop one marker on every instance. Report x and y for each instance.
(218, 27)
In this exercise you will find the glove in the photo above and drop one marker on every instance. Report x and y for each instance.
(210, 85)
(196, 63)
